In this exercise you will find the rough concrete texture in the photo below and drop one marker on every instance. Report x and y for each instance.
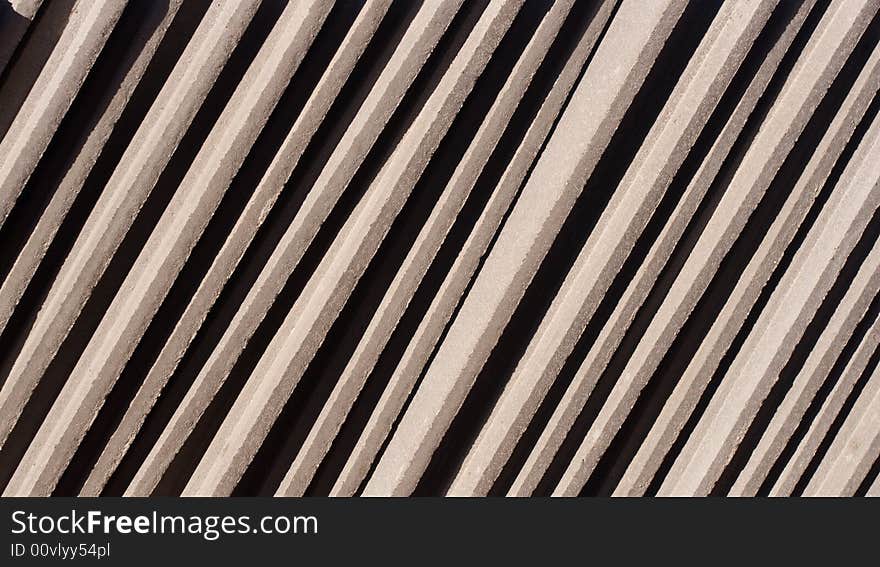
(420, 38)
(522, 247)
(789, 311)
(717, 341)
(119, 202)
(707, 75)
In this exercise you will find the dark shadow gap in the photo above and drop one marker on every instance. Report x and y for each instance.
(788, 374)
(309, 166)
(542, 82)
(213, 237)
(653, 229)
(872, 476)
(653, 397)
(29, 57)
(13, 30)
(134, 28)
(23, 318)
(213, 417)
(820, 397)
(726, 272)
(834, 430)
(297, 418)
(501, 363)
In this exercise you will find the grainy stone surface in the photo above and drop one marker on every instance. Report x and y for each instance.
(523, 247)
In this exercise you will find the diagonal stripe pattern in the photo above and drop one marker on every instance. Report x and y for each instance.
(440, 247)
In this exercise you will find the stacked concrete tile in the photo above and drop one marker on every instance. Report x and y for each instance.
(504, 247)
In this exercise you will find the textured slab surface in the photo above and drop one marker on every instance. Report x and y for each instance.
(383, 247)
